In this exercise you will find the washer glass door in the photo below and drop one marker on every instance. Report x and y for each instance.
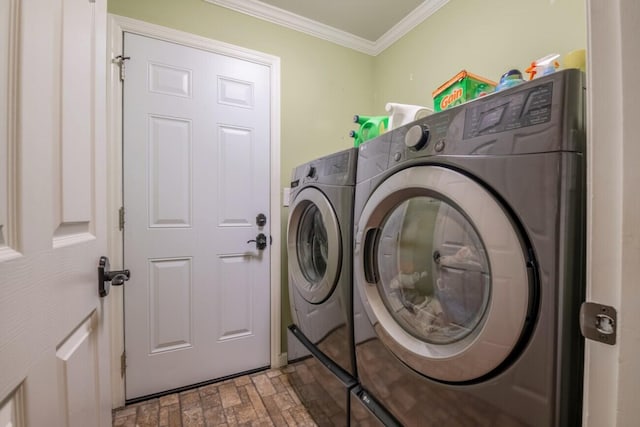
(442, 273)
(434, 272)
(314, 246)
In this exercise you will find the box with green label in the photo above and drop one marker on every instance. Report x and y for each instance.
(461, 88)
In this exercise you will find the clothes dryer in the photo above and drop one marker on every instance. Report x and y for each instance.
(469, 260)
(320, 249)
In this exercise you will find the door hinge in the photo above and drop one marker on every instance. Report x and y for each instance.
(598, 322)
(120, 62)
(121, 218)
(123, 364)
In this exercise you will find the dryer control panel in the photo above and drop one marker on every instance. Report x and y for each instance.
(335, 169)
(524, 108)
(543, 115)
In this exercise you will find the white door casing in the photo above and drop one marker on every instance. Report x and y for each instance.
(613, 213)
(54, 328)
(196, 168)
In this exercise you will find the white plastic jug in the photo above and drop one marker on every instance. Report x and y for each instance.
(401, 114)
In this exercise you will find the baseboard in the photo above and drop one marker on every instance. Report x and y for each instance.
(282, 359)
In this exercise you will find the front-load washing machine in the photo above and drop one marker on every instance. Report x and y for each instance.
(320, 248)
(469, 261)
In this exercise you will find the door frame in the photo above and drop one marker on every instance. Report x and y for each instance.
(117, 25)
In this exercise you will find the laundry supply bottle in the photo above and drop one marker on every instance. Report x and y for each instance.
(370, 127)
(401, 114)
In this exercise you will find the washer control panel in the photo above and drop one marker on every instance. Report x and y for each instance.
(543, 115)
(504, 113)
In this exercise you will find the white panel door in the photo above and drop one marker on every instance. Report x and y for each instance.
(54, 353)
(196, 175)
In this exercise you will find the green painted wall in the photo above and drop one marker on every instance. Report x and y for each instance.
(484, 37)
(324, 85)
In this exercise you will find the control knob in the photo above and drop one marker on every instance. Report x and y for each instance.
(417, 137)
(312, 172)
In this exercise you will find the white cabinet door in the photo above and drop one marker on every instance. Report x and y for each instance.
(196, 175)
(54, 356)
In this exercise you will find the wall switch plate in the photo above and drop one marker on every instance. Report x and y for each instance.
(286, 196)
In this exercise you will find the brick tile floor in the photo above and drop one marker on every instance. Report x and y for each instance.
(262, 399)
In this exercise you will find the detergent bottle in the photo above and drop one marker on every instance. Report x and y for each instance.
(370, 127)
(401, 114)
(509, 79)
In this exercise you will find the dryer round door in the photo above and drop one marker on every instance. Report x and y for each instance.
(442, 273)
(314, 245)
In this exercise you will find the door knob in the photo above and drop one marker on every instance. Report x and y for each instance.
(106, 276)
(260, 240)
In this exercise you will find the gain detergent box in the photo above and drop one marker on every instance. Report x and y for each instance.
(462, 87)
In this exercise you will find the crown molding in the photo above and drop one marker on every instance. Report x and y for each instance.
(408, 23)
(278, 16)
